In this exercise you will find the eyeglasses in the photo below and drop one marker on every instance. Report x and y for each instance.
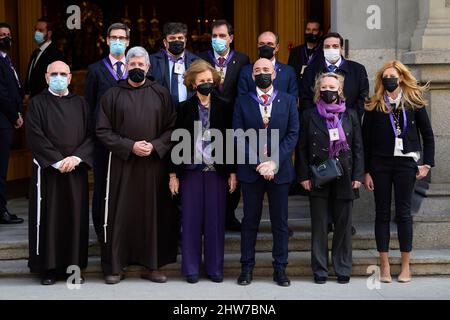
(121, 39)
(62, 74)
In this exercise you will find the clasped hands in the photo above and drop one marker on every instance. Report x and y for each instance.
(267, 169)
(142, 148)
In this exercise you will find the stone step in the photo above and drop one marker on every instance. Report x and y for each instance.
(423, 263)
(364, 239)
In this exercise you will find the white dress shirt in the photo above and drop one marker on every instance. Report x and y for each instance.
(260, 93)
(217, 56)
(114, 61)
(182, 90)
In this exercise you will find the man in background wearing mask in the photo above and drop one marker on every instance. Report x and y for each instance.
(356, 83)
(45, 54)
(169, 64)
(268, 46)
(266, 109)
(356, 86)
(228, 63)
(101, 76)
(59, 133)
(11, 96)
(307, 53)
(135, 123)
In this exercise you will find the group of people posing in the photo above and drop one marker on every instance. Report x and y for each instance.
(144, 202)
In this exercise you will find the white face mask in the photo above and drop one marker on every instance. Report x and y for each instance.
(332, 55)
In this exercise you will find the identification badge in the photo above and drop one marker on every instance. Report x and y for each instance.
(303, 70)
(334, 134)
(399, 143)
(179, 68)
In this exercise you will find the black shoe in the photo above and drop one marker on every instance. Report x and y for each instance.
(48, 278)
(320, 280)
(353, 231)
(192, 278)
(281, 278)
(343, 279)
(233, 224)
(330, 228)
(216, 279)
(8, 218)
(245, 278)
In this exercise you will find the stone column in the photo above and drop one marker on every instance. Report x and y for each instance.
(429, 60)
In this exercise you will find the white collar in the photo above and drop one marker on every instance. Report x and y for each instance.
(217, 56)
(180, 57)
(259, 92)
(3, 54)
(44, 45)
(397, 100)
(274, 62)
(337, 64)
(57, 95)
(114, 60)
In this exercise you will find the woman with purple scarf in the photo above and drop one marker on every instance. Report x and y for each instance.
(331, 131)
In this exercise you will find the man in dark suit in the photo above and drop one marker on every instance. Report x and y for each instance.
(268, 118)
(11, 96)
(169, 64)
(101, 76)
(229, 64)
(268, 46)
(356, 83)
(44, 55)
(356, 86)
(307, 53)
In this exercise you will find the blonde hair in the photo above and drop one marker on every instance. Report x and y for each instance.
(322, 76)
(197, 67)
(412, 91)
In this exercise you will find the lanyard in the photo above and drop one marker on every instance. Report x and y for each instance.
(216, 62)
(261, 102)
(107, 63)
(172, 58)
(391, 117)
(311, 57)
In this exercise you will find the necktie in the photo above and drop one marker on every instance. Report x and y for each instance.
(265, 97)
(33, 62)
(119, 69)
(332, 68)
(174, 85)
(266, 116)
(221, 62)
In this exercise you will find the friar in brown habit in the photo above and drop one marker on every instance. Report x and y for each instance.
(135, 123)
(59, 134)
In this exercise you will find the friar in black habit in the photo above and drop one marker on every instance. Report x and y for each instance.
(59, 133)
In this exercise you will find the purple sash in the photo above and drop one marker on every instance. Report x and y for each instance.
(391, 117)
(261, 102)
(216, 62)
(107, 63)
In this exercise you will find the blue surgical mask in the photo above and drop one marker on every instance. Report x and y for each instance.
(219, 45)
(39, 37)
(58, 84)
(117, 47)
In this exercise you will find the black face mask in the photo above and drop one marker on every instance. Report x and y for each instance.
(205, 88)
(136, 75)
(5, 43)
(263, 80)
(329, 96)
(311, 38)
(266, 52)
(176, 47)
(390, 84)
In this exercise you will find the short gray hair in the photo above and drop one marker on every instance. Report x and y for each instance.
(138, 52)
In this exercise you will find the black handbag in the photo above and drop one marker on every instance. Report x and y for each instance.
(325, 172)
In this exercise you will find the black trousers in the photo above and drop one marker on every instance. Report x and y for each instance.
(341, 251)
(5, 145)
(399, 172)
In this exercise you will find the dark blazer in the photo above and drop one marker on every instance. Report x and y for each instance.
(313, 149)
(230, 85)
(356, 85)
(298, 58)
(219, 119)
(379, 139)
(98, 80)
(160, 71)
(284, 118)
(284, 82)
(11, 96)
(36, 83)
